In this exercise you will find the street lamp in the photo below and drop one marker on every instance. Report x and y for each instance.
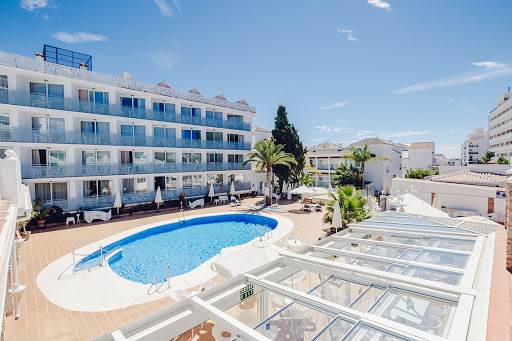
(17, 295)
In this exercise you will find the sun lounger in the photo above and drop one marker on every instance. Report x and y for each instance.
(194, 204)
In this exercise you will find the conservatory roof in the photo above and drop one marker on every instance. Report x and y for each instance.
(399, 277)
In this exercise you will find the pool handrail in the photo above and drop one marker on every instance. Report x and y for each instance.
(84, 255)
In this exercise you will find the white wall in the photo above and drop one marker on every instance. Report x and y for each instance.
(493, 168)
(463, 197)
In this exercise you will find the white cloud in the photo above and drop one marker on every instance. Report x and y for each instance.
(488, 72)
(350, 34)
(451, 100)
(465, 109)
(78, 37)
(162, 60)
(333, 129)
(490, 65)
(380, 4)
(46, 17)
(32, 5)
(333, 106)
(166, 9)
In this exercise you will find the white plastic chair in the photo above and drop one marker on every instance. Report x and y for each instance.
(179, 295)
(207, 285)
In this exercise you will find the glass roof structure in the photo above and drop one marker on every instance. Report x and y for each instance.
(369, 282)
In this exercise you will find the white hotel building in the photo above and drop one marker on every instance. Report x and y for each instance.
(81, 135)
(500, 127)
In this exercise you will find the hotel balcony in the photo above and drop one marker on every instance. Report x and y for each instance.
(25, 98)
(62, 171)
(67, 137)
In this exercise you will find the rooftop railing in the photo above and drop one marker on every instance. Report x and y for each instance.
(25, 98)
(67, 137)
(81, 170)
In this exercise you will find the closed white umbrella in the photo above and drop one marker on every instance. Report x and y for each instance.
(232, 190)
(211, 193)
(244, 260)
(330, 188)
(336, 217)
(285, 187)
(117, 201)
(436, 203)
(158, 198)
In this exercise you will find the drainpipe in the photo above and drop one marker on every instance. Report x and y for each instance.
(508, 220)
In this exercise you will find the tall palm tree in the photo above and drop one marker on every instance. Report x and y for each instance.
(362, 156)
(352, 206)
(267, 154)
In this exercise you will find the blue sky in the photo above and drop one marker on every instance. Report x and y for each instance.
(409, 70)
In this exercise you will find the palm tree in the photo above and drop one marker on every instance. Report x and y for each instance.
(306, 179)
(362, 156)
(352, 206)
(488, 156)
(267, 154)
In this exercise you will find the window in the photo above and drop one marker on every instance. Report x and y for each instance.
(94, 188)
(49, 90)
(51, 191)
(131, 130)
(215, 179)
(235, 138)
(4, 121)
(135, 103)
(98, 97)
(171, 182)
(164, 133)
(214, 136)
(95, 157)
(128, 185)
(44, 157)
(191, 158)
(193, 112)
(48, 124)
(214, 115)
(139, 158)
(165, 157)
(214, 157)
(142, 185)
(93, 127)
(235, 158)
(190, 181)
(168, 108)
(191, 134)
(3, 82)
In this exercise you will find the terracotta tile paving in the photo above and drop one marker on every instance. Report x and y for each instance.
(499, 320)
(40, 319)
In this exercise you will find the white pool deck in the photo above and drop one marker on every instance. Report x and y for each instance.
(101, 289)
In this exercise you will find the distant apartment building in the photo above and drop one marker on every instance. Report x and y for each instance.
(500, 127)
(475, 146)
(83, 136)
(419, 155)
(441, 161)
(326, 158)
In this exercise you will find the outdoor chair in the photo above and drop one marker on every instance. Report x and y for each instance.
(179, 295)
(207, 285)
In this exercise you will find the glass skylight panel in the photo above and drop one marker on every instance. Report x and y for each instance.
(409, 220)
(364, 332)
(424, 241)
(415, 310)
(385, 251)
(339, 291)
(404, 240)
(372, 264)
(335, 331)
(294, 322)
(443, 258)
(304, 280)
(396, 269)
(410, 255)
(368, 298)
(412, 227)
(452, 244)
(446, 277)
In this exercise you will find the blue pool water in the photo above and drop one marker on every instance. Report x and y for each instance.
(184, 246)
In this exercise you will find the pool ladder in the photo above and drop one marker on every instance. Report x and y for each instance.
(103, 257)
(155, 281)
(264, 230)
(181, 216)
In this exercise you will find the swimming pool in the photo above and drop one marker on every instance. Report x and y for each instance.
(184, 246)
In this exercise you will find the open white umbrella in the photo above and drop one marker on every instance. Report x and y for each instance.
(436, 203)
(244, 260)
(330, 188)
(211, 193)
(336, 217)
(302, 189)
(117, 201)
(158, 198)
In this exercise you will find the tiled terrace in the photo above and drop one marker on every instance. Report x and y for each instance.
(40, 319)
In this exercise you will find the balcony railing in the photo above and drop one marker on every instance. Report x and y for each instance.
(25, 98)
(60, 171)
(66, 137)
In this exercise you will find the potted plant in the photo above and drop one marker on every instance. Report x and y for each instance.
(39, 211)
(23, 231)
(181, 198)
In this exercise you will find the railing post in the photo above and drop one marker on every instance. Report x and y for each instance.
(73, 262)
(101, 255)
